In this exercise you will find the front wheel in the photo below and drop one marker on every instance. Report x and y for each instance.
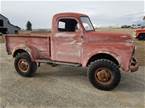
(24, 66)
(104, 74)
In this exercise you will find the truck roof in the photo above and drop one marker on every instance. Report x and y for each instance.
(72, 14)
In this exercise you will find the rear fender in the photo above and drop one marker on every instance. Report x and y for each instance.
(32, 51)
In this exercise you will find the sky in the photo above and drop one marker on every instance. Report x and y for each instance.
(102, 13)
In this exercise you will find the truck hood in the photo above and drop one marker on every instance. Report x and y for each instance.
(108, 37)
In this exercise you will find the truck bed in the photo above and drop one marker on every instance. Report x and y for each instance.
(38, 41)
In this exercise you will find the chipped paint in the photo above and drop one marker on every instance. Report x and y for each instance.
(77, 53)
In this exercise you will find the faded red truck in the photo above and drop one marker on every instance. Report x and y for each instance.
(74, 41)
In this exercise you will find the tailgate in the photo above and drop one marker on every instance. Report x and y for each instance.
(6, 40)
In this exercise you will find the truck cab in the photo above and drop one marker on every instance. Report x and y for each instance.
(74, 41)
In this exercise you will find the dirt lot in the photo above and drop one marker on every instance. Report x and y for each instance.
(68, 87)
(1, 39)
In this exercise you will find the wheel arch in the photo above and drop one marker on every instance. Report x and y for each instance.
(21, 49)
(111, 57)
(139, 34)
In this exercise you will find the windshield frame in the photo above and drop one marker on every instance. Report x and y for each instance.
(93, 29)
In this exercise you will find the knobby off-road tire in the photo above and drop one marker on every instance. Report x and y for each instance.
(104, 74)
(24, 66)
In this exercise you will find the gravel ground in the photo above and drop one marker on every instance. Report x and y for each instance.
(66, 87)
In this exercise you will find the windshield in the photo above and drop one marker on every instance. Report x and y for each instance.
(87, 23)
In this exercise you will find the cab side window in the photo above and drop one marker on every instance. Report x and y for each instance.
(67, 25)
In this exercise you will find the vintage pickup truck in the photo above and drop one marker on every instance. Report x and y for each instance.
(140, 34)
(74, 41)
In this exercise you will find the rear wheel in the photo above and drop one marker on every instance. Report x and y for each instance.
(104, 74)
(24, 66)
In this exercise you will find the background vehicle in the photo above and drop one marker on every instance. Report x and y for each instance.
(140, 34)
(74, 41)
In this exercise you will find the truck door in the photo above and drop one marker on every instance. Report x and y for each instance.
(66, 41)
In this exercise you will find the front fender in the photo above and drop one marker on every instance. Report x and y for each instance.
(122, 53)
(114, 55)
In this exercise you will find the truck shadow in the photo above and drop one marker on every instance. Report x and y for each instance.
(61, 70)
(129, 82)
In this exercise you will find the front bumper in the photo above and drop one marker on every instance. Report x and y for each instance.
(134, 66)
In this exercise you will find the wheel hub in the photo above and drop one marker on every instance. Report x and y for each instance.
(103, 74)
(23, 65)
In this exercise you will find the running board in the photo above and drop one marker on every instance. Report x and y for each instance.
(57, 62)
